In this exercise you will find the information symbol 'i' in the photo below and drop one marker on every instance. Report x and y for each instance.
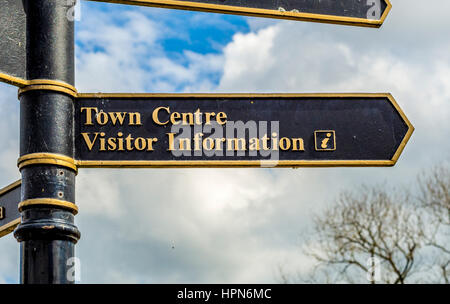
(325, 140)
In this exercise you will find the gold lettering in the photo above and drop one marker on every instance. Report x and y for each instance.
(135, 119)
(171, 140)
(197, 141)
(274, 141)
(118, 143)
(254, 144)
(188, 118)
(265, 142)
(185, 118)
(198, 117)
(150, 142)
(102, 142)
(155, 115)
(285, 143)
(185, 142)
(102, 118)
(173, 118)
(89, 115)
(208, 144)
(297, 144)
(221, 118)
(208, 117)
(120, 140)
(236, 141)
(2, 213)
(120, 116)
(87, 140)
(219, 142)
(128, 140)
(112, 144)
(140, 143)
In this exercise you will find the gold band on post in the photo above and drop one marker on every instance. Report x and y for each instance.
(49, 87)
(49, 202)
(47, 158)
(52, 82)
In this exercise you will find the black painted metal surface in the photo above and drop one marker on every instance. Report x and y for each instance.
(12, 39)
(47, 233)
(344, 8)
(44, 123)
(365, 128)
(50, 51)
(9, 201)
(349, 12)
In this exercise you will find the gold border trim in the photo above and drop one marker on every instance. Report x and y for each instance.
(255, 12)
(10, 187)
(49, 202)
(409, 133)
(231, 95)
(46, 158)
(16, 81)
(234, 164)
(9, 227)
(256, 163)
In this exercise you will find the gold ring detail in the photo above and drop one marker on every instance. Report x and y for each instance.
(48, 87)
(47, 158)
(52, 82)
(49, 202)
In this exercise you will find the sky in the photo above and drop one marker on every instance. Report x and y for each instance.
(235, 225)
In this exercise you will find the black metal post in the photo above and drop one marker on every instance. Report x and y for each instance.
(47, 233)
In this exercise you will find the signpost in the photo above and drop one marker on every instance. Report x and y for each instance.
(47, 233)
(369, 13)
(9, 211)
(238, 130)
(62, 130)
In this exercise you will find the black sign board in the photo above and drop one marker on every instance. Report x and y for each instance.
(371, 13)
(12, 42)
(9, 208)
(237, 130)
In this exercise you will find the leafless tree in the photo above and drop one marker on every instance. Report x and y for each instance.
(434, 198)
(377, 235)
(368, 234)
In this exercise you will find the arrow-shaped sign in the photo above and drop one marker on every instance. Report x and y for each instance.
(370, 13)
(12, 42)
(9, 211)
(239, 130)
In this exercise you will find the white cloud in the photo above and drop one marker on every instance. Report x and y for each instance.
(125, 54)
